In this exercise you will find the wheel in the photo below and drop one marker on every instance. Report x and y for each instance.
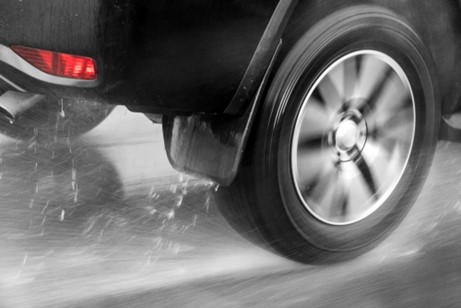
(343, 141)
(56, 118)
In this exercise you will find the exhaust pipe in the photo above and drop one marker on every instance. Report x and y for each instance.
(13, 104)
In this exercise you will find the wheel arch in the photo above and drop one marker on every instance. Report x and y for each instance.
(226, 135)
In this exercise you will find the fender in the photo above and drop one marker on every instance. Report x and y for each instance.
(211, 146)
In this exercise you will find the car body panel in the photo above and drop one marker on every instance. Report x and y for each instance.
(164, 57)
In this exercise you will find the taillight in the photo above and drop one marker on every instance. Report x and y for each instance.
(59, 64)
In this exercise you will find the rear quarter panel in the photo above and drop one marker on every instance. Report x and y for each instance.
(65, 25)
(176, 56)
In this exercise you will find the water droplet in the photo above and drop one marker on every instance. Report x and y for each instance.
(180, 200)
(151, 210)
(170, 214)
(74, 178)
(76, 195)
(194, 222)
(46, 205)
(207, 202)
(62, 114)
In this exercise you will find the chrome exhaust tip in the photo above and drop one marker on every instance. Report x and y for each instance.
(13, 104)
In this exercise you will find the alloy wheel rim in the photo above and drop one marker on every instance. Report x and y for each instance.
(353, 137)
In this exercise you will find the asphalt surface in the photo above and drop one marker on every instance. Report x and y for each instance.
(104, 221)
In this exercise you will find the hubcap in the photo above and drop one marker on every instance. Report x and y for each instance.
(353, 137)
(346, 135)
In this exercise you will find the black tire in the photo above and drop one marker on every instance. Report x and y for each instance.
(264, 201)
(56, 118)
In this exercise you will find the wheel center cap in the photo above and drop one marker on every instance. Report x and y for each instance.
(347, 135)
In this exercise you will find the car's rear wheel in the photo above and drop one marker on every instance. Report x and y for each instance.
(344, 139)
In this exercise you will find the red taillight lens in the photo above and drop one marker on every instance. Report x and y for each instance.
(59, 64)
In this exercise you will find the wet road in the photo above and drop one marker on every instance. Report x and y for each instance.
(103, 221)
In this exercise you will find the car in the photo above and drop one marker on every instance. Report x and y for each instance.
(317, 119)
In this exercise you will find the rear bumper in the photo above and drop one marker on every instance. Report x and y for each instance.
(99, 29)
(9, 57)
(18, 75)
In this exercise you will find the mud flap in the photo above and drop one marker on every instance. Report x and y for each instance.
(211, 146)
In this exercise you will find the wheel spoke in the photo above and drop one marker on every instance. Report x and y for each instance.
(344, 204)
(322, 190)
(367, 175)
(388, 160)
(389, 108)
(317, 97)
(310, 163)
(351, 71)
(377, 92)
(395, 96)
(337, 75)
(340, 204)
(398, 127)
(371, 72)
(396, 162)
(315, 121)
(391, 120)
(311, 143)
(400, 133)
(330, 93)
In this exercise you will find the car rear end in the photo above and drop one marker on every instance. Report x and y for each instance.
(65, 49)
